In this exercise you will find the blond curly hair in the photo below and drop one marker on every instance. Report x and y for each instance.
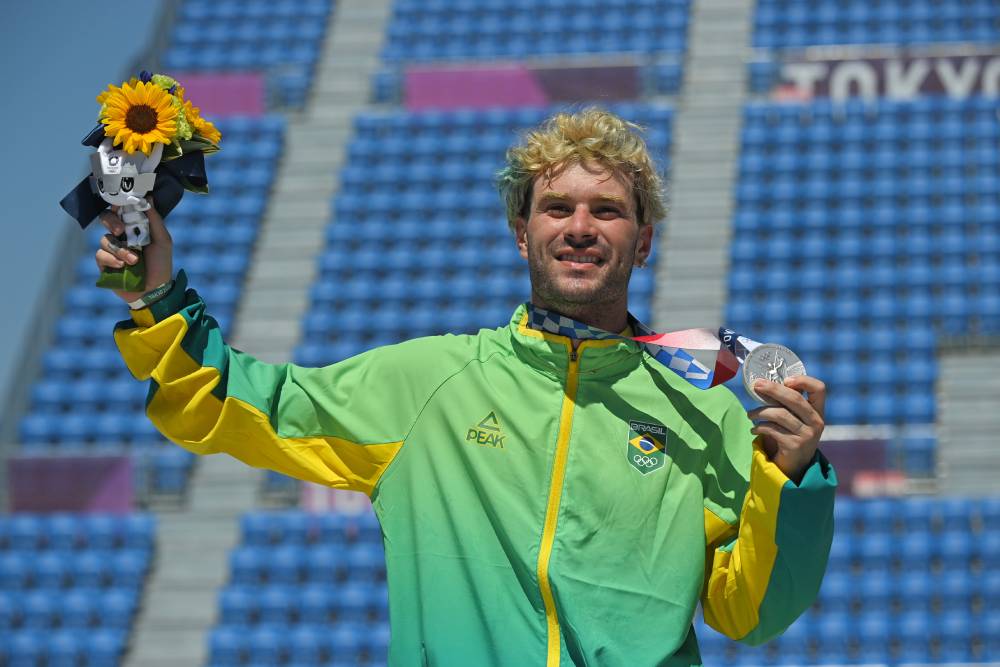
(591, 135)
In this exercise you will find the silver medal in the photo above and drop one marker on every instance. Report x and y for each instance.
(770, 362)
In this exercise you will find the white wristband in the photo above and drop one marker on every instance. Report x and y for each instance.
(152, 296)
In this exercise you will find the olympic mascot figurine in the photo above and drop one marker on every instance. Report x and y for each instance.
(150, 140)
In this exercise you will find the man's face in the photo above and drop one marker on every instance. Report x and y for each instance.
(581, 240)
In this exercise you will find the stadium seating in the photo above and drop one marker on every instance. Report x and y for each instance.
(786, 24)
(70, 585)
(876, 224)
(423, 30)
(910, 580)
(304, 589)
(282, 39)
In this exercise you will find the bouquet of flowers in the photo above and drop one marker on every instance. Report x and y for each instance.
(149, 139)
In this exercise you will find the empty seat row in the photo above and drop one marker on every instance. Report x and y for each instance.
(491, 120)
(469, 145)
(539, 21)
(502, 257)
(362, 602)
(929, 107)
(245, 57)
(839, 639)
(914, 550)
(294, 527)
(295, 564)
(54, 570)
(845, 13)
(67, 532)
(523, 46)
(251, 128)
(851, 279)
(238, 11)
(782, 36)
(848, 244)
(957, 589)
(27, 647)
(920, 215)
(302, 644)
(882, 309)
(468, 6)
(918, 514)
(191, 34)
(412, 228)
(73, 608)
(71, 428)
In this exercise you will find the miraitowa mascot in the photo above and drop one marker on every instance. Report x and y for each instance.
(150, 140)
(124, 179)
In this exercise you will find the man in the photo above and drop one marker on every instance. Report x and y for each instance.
(544, 500)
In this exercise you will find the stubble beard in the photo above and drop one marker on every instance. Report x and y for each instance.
(576, 297)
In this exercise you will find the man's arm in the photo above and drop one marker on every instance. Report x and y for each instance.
(340, 426)
(765, 568)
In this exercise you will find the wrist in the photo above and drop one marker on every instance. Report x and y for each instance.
(152, 296)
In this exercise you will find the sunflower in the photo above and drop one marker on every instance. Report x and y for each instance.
(103, 97)
(201, 126)
(139, 115)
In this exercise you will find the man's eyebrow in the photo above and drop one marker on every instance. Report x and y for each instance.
(612, 198)
(550, 194)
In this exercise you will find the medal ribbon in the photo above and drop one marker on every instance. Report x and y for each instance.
(703, 357)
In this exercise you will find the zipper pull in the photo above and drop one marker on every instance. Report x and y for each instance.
(572, 353)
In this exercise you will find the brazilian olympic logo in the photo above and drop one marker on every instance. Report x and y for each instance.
(646, 447)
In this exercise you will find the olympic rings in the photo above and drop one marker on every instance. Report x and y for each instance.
(644, 461)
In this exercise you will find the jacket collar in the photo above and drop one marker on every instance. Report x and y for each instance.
(551, 352)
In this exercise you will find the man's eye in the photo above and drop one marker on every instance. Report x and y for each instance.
(127, 184)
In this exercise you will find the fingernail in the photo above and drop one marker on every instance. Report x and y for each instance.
(759, 384)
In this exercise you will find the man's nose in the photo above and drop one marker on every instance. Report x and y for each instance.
(580, 225)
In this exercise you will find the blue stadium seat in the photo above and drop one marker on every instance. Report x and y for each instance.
(228, 645)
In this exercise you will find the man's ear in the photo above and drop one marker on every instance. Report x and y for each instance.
(521, 236)
(644, 245)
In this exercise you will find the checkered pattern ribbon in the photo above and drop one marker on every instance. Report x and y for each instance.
(703, 357)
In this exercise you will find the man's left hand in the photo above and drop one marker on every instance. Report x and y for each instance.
(790, 430)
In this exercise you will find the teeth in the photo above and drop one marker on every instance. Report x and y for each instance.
(581, 259)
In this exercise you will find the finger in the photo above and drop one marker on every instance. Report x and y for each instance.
(788, 398)
(814, 388)
(779, 416)
(112, 222)
(105, 260)
(778, 433)
(113, 246)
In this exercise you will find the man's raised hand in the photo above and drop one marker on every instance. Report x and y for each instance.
(158, 254)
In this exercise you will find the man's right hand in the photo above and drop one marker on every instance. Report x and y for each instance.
(158, 254)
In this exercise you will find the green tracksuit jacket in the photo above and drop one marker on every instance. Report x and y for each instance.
(539, 506)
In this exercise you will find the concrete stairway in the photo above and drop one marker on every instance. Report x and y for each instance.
(693, 250)
(193, 544)
(968, 396)
(181, 599)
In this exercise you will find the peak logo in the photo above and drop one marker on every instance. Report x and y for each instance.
(487, 433)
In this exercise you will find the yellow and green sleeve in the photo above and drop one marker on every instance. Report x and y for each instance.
(341, 425)
(765, 569)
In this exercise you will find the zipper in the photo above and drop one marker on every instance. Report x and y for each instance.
(552, 508)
